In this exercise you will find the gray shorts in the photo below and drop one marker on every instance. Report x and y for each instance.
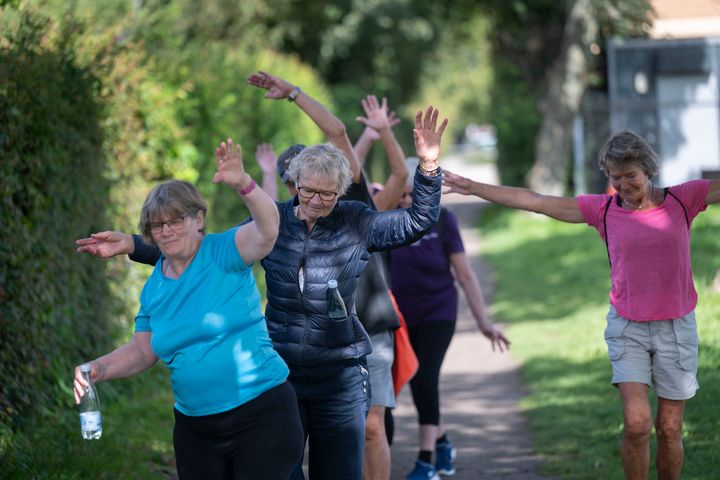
(380, 365)
(661, 353)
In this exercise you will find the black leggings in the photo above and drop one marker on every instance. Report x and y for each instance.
(430, 341)
(259, 440)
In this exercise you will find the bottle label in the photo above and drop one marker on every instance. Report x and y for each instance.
(90, 421)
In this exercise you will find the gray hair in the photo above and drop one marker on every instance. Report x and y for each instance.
(412, 165)
(626, 148)
(324, 160)
(174, 198)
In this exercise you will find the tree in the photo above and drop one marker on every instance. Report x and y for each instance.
(566, 82)
(572, 72)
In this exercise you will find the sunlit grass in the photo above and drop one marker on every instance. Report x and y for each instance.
(551, 287)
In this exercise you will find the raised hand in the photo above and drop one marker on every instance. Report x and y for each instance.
(276, 87)
(106, 244)
(427, 137)
(393, 119)
(266, 158)
(376, 113)
(456, 184)
(230, 168)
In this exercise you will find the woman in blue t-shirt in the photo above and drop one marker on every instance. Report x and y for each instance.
(200, 312)
(423, 284)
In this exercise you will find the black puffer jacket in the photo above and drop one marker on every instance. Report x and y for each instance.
(337, 247)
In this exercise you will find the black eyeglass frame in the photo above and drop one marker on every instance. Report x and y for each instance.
(308, 193)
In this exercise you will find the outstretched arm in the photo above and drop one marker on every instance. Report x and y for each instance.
(106, 244)
(473, 293)
(267, 160)
(255, 239)
(561, 208)
(278, 89)
(364, 143)
(126, 360)
(378, 119)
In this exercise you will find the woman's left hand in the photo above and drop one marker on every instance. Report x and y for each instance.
(230, 168)
(427, 137)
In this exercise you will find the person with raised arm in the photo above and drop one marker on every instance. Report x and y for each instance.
(423, 277)
(321, 239)
(651, 333)
(236, 415)
(375, 308)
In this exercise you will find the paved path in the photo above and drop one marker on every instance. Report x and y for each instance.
(480, 390)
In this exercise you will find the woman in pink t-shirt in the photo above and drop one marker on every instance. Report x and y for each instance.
(651, 332)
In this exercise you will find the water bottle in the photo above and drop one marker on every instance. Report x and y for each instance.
(90, 419)
(335, 304)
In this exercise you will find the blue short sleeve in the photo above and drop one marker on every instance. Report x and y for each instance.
(142, 321)
(224, 253)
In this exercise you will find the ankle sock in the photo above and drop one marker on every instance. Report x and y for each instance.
(442, 439)
(425, 456)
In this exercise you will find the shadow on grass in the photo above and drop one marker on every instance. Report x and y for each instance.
(578, 279)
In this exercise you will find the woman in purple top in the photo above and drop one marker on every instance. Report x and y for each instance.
(651, 332)
(424, 287)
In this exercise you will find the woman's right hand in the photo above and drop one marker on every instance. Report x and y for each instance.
(79, 383)
(276, 87)
(106, 244)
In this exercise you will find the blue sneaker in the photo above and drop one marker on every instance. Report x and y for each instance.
(423, 471)
(445, 454)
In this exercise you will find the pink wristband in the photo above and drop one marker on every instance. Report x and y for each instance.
(248, 189)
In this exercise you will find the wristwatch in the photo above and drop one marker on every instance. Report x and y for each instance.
(295, 92)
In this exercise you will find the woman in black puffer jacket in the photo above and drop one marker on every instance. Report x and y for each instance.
(319, 240)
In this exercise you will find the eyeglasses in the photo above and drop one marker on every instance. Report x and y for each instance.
(173, 223)
(309, 193)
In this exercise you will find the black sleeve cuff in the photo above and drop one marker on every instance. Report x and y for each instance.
(144, 253)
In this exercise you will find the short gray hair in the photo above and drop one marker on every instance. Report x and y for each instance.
(412, 165)
(174, 198)
(626, 148)
(324, 160)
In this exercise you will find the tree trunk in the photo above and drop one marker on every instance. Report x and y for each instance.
(566, 81)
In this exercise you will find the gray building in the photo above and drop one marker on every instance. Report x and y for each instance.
(669, 92)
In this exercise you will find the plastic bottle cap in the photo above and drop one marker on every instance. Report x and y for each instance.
(85, 368)
(332, 283)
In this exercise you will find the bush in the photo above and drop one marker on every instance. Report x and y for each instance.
(56, 309)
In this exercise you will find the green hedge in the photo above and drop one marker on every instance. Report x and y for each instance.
(55, 308)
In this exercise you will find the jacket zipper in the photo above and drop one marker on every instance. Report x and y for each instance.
(306, 328)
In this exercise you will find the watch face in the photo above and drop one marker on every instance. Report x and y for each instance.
(294, 93)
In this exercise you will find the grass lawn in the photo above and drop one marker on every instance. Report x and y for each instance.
(136, 442)
(551, 287)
